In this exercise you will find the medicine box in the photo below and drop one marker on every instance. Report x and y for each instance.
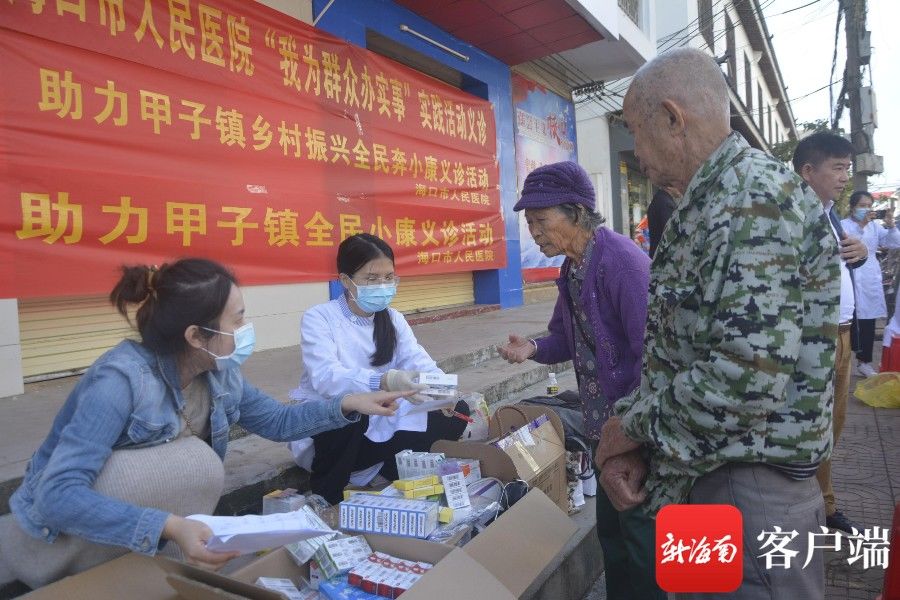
(501, 563)
(386, 575)
(413, 465)
(471, 468)
(390, 516)
(337, 557)
(282, 501)
(339, 589)
(424, 492)
(412, 484)
(439, 384)
(287, 588)
(303, 550)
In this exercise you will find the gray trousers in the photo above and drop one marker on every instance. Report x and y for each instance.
(767, 498)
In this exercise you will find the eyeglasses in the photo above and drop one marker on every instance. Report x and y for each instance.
(376, 280)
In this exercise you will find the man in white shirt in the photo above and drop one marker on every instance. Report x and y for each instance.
(823, 160)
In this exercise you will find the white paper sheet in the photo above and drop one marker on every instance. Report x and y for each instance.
(252, 533)
(433, 404)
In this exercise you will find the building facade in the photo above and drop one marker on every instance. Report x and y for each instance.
(732, 31)
(475, 47)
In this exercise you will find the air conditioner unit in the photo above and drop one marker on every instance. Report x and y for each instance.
(867, 105)
(868, 164)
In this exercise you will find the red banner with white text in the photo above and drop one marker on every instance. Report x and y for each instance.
(139, 131)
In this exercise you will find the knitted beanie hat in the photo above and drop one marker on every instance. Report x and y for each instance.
(558, 183)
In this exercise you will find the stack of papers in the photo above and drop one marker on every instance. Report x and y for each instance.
(252, 533)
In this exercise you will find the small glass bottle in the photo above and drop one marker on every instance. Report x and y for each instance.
(552, 384)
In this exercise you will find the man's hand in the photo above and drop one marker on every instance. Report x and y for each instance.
(518, 349)
(613, 442)
(622, 478)
(852, 249)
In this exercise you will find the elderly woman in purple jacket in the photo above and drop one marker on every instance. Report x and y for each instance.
(598, 323)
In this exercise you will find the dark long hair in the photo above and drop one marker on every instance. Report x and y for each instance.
(855, 197)
(353, 254)
(191, 291)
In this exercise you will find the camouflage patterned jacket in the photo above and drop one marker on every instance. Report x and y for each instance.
(741, 330)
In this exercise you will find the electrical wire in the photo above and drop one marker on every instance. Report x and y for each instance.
(794, 9)
(687, 32)
(686, 39)
(816, 91)
(609, 98)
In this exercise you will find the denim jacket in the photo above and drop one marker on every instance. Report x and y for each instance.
(128, 399)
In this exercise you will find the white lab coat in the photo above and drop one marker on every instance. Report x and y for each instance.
(337, 347)
(867, 280)
(893, 326)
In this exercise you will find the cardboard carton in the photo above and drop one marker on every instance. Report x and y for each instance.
(542, 465)
(498, 564)
(530, 534)
(130, 576)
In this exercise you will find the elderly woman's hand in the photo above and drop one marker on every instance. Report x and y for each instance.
(518, 349)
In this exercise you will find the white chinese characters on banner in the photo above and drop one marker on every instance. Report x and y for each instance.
(871, 546)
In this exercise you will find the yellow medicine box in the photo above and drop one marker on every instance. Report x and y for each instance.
(414, 484)
(423, 492)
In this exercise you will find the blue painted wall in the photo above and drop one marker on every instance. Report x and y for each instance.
(485, 76)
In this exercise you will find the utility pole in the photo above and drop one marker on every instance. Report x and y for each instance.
(862, 122)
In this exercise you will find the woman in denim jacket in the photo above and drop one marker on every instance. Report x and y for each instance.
(140, 440)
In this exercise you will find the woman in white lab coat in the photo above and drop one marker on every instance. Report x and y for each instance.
(867, 281)
(357, 342)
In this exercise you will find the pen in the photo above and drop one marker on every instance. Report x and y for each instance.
(459, 415)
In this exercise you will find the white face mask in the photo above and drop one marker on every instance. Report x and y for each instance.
(244, 341)
(374, 297)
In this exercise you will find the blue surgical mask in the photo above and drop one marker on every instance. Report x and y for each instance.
(244, 340)
(860, 214)
(374, 298)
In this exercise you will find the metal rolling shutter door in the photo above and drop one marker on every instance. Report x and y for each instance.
(430, 292)
(61, 336)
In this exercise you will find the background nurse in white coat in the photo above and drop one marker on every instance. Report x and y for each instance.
(870, 304)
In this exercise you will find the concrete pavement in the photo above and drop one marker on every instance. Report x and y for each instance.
(866, 476)
(866, 461)
(866, 479)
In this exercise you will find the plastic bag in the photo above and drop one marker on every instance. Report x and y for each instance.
(477, 430)
(880, 391)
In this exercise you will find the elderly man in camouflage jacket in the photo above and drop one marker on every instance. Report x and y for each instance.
(735, 401)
